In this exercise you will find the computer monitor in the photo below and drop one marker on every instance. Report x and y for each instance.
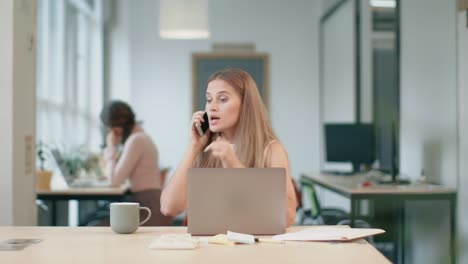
(350, 143)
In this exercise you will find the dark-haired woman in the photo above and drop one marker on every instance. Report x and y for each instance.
(137, 162)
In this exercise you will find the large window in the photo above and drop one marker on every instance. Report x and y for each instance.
(69, 73)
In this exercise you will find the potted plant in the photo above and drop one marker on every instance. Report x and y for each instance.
(81, 163)
(43, 176)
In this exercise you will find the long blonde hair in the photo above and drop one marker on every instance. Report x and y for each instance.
(253, 131)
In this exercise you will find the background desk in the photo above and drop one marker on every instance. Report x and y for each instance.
(80, 194)
(100, 245)
(350, 187)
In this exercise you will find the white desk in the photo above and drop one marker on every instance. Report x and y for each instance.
(80, 194)
(72, 193)
(100, 245)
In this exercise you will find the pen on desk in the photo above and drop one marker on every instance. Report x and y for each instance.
(268, 240)
(249, 239)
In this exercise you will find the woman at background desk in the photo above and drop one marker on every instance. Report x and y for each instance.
(138, 161)
(241, 137)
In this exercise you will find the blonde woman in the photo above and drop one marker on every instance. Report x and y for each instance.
(241, 137)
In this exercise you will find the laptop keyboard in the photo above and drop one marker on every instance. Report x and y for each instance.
(89, 183)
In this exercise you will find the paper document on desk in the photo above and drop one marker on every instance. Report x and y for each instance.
(174, 241)
(329, 234)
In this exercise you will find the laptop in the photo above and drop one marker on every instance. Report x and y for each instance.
(247, 200)
(71, 181)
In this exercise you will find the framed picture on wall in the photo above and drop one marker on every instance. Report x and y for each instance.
(205, 64)
(463, 5)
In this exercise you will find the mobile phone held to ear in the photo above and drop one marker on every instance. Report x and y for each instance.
(203, 125)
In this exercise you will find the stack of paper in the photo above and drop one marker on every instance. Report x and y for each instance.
(174, 241)
(329, 234)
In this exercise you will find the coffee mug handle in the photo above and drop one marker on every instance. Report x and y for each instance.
(149, 214)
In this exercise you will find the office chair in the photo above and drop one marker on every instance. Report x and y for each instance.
(311, 210)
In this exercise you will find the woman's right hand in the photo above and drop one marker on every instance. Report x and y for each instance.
(198, 142)
(112, 138)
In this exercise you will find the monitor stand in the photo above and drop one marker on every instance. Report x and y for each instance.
(356, 167)
(394, 180)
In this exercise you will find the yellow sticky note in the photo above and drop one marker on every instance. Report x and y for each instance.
(220, 239)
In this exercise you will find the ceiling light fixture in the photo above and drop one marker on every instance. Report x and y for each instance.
(383, 3)
(183, 19)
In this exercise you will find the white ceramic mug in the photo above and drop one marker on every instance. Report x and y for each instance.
(125, 217)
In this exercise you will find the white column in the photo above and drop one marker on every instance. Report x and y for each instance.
(462, 228)
(17, 112)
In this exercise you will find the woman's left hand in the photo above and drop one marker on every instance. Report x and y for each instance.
(223, 150)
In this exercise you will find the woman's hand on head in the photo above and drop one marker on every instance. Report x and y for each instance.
(195, 139)
(223, 150)
(113, 138)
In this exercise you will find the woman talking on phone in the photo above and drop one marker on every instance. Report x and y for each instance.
(239, 136)
(137, 162)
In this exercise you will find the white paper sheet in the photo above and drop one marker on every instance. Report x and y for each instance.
(329, 234)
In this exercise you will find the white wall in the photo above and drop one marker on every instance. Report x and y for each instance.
(339, 66)
(462, 229)
(17, 106)
(117, 25)
(339, 60)
(6, 113)
(327, 4)
(428, 120)
(367, 94)
(161, 72)
(428, 90)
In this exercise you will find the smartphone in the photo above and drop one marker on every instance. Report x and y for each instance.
(203, 125)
